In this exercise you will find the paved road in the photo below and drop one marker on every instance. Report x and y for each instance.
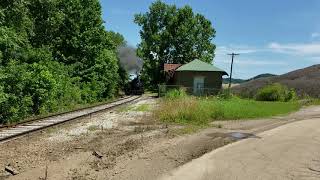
(288, 152)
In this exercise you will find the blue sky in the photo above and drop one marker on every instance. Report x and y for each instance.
(272, 36)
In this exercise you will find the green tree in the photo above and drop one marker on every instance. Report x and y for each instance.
(72, 29)
(172, 35)
(12, 45)
(75, 33)
(119, 41)
(102, 77)
(54, 55)
(15, 15)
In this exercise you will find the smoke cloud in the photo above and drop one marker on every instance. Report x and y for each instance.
(129, 59)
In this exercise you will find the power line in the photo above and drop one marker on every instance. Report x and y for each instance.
(232, 57)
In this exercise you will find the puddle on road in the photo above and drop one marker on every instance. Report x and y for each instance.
(233, 135)
(239, 135)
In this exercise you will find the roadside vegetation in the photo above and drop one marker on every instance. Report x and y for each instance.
(198, 112)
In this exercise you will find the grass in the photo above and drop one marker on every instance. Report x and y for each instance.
(311, 101)
(142, 108)
(93, 128)
(125, 108)
(139, 108)
(191, 128)
(201, 111)
(151, 93)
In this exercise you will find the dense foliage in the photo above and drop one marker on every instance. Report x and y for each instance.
(54, 54)
(172, 35)
(275, 92)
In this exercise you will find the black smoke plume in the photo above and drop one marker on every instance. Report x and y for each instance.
(129, 59)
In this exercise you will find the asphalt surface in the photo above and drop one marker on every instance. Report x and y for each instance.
(291, 151)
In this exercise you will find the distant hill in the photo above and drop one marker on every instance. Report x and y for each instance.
(239, 81)
(305, 81)
(262, 76)
(234, 81)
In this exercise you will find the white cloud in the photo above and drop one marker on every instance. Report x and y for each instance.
(274, 57)
(260, 63)
(242, 60)
(251, 56)
(241, 49)
(315, 35)
(307, 49)
(303, 49)
(253, 62)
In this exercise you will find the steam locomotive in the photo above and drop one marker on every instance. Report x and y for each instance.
(134, 87)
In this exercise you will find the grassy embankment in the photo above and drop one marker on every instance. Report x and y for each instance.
(196, 113)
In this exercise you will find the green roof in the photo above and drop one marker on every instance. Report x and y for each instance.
(198, 65)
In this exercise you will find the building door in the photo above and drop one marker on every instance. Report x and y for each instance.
(198, 85)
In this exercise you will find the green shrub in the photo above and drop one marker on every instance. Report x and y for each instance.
(225, 94)
(291, 95)
(275, 92)
(175, 94)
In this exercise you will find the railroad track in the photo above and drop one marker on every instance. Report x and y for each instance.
(9, 133)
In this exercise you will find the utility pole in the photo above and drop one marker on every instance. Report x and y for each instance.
(232, 56)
